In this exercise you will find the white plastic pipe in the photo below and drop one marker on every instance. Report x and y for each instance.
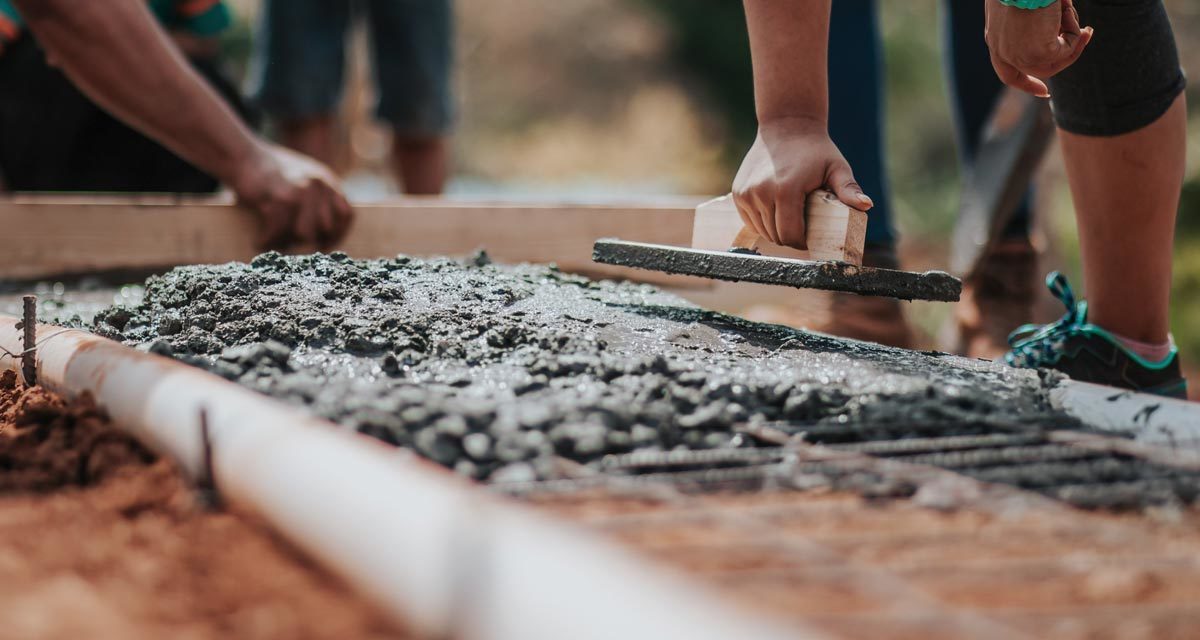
(1154, 419)
(438, 553)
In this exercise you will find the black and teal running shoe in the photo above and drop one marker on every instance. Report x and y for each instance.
(1088, 353)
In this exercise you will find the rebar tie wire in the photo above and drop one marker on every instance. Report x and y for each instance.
(17, 354)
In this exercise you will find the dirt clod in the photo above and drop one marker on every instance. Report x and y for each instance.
(100, 539)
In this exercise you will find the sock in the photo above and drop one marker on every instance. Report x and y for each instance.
(1148, 351)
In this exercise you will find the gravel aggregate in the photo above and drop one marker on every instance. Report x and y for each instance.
(497, 371)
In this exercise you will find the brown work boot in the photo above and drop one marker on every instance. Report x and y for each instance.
(868, 318)
(995, 301)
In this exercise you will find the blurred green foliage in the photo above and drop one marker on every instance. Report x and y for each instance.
(1185, 292)
(712, 48)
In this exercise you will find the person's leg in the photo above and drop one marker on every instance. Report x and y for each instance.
(297, 71)
(1123, 130)
(1000, 296)
(421, 163)
(314, 136)
(1126, 190)
(857, 108)
(1123, 126)
(974, 90)
(413, 45)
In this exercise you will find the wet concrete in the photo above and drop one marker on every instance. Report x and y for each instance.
(72, 301)
(738, 266)
(500, 371)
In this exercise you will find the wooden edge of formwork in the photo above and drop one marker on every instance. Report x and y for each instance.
(51, 235)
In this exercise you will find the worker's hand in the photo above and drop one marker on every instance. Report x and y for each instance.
(298, 200)
(1030, 45)
(791, 158)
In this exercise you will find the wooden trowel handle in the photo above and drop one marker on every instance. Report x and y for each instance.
(833, 230)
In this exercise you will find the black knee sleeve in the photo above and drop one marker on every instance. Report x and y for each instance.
(1128, 76)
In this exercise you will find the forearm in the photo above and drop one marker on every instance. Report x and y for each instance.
(115, 52)
(789, 45)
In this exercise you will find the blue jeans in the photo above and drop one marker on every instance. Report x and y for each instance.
(299, 61)
(856, 113)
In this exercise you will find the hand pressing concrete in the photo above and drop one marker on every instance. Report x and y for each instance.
(118, 55)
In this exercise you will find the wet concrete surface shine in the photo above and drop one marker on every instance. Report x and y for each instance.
(496, 371)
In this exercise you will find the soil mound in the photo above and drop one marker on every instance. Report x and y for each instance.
(99, 539)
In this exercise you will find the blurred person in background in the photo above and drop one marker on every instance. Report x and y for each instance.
(299, 68)
(1001, 296)
(54, 138)
(118, 56)
(1113, 75)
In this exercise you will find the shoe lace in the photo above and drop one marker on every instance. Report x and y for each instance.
(1035, 345)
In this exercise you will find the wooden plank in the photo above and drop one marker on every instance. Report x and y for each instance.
(46, 236)
(833, 230)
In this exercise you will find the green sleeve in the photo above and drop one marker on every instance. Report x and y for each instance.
(210, 23)
(173, 14)
(1028, 4)
(10, 20)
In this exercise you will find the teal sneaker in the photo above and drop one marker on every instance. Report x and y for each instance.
(1088, 353)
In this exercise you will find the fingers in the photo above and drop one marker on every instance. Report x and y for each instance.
(841, 181)
(325, 225)
(335, 218)
(1014, 78)
(1027, 47)
(1077, 43)
(755, 212)
(274, 229)
(333, 212)
(343, 217)
(306, 216)
(789, 220)
(767, 217)
(1070, 19)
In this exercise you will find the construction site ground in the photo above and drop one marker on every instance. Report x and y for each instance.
(101, 539)
(866, 491)
(1000, 567)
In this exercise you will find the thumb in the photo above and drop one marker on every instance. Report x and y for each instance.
(841, 181)
(1014, 78)
(272, 227)
(1069, 22)
(1074, 44)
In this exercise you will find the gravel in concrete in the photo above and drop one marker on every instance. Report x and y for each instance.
(497, 370)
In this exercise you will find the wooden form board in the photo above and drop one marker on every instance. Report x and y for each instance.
(46, 236)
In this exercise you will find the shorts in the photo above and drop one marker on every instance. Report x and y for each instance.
(299, 64)
(1128, 76)
(53, 138)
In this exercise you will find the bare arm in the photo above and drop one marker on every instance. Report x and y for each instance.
(792, 154)
(789, 44)
(1030, 45)
(115, 52)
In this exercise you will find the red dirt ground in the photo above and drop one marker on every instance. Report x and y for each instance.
(98, 539)
(894, 569)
